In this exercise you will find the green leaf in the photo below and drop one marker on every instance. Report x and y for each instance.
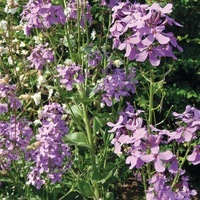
(96, 125)
(77, 112)
(101, 176)
(109, 196)
(96, 175)
(85, 189)
(77, 139)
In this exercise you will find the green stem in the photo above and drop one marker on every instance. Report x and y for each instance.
(78, 24)
(150, 115)
(92, 149)
(150, 118)
(176, 179)
(68, 40)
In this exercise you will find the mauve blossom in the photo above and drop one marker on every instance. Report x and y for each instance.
(182, 134)
(194, 158)
(40, 56)
(111, 3)
(140, 29)
(51, 158)
(116, 126)
(84, 9)
(116, 86)
(190, 116)
(3, 108)
(70, 75)
(158, 158)
(15, 136)
(135, 158)
(41, 14)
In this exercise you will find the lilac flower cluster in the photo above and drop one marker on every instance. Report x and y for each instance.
(8, 98)
(116, 85)
(147, 24)
(160, 188)
(111, 3)
(84, 10)
(94, 58)
(70, 75)
(15, 136)
(145, 147)
(50, 155)
(41, 14)
(40, 56)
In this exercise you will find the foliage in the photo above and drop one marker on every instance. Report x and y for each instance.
(87, 91)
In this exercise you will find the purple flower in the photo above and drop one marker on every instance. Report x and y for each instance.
(111, 3)
(84, 8)
(135, 158)
(70, 75)
(52, 156)
(194, 158)
(116, 126)
(116, 86)
(140, 29)
(8, 96)
(41, 14)
(94, 58)
(3, 108)
(190, 116)
(40, 56)
(15, 136)
(158, 158)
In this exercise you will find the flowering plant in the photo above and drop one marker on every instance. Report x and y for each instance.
(71, 112)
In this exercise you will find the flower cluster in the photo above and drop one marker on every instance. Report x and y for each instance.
(94, 58)
(148, 38)
(116, 85)
(70, 75)
(11, 6)
(41, 14)
(111, 3)
(81, 9)
(40, 56)
(145, 147)
(49, 153)
(15, 136)
(160, 189)
(8, 96)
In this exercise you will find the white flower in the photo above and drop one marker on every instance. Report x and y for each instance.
(38, 39)
(102, 105)
(68, 62)
(37, 122)
(3, 50)
(41, 80)
(11, 6)
(24, 52)
(3, 25)
(67, 11)
(118, 63)
(37, 98)
(50, 93)
(15, 40)
(10, 10)
(39, 113)
(93, 34)
(22, 44)
(10, 61)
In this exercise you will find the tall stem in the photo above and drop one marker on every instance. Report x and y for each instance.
(176, 179)
(150, 115)
(78, 25)
(92, 148)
